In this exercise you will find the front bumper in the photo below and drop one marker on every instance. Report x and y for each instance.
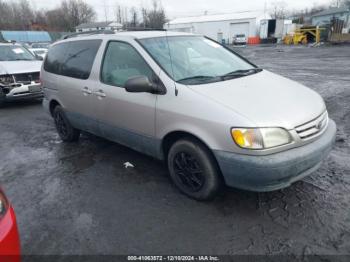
(24, 92)
(276, 171)
(9, 239)
(240, 42)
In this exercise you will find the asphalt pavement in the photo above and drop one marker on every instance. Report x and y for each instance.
(80, 199)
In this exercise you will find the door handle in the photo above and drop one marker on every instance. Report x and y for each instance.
(100, 93)
(87, 91)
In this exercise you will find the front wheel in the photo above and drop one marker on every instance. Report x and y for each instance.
(194, 170)
(65, 130)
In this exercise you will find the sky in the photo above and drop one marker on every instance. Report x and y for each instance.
(182, 8)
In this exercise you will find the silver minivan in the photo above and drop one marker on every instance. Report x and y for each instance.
(214, 117)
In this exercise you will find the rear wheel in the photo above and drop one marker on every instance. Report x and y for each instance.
(2, 97)
(193, 169)
(65, 130)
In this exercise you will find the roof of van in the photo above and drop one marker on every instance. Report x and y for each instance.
(149, 34)
(128, 34)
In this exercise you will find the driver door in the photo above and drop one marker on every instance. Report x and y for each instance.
(126, 118)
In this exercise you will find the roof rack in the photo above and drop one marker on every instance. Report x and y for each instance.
(94, 32)
(142, 29)
(108, 32)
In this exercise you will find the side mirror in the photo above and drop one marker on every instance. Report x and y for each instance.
(140, 84)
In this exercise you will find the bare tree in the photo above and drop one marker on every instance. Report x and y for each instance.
(76, 12)
(279, 10)
(154, 17)
(25, 14)
(16, 15)
(40, 17)
(70, 13)
(55, 20)
(345, 3)
(118, 14)
(144, 14)
(134, 17)
(21, 16)
(5, 16)
(121, 14)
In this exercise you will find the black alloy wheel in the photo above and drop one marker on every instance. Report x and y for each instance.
(188, 171)
(65, 130)
(194, 170)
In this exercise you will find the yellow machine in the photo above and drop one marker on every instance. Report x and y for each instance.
(300, 36)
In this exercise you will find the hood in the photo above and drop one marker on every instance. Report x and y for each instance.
(267, 99)
(19, 67)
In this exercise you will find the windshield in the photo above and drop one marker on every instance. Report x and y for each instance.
(14, 53)
(194, 59)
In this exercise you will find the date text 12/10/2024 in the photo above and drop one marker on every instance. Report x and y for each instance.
(173, 258)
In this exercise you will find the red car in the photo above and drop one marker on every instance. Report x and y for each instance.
(9, 240)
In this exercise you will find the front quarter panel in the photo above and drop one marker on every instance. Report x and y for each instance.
(195, 114)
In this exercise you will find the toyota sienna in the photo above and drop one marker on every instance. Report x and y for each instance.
(214, 117)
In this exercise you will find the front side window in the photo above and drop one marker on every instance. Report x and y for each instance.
(15, 53)
(122, 62)
(195, 59)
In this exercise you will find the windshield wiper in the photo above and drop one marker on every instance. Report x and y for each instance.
(203, 78)
(23, 59)
(239, 73)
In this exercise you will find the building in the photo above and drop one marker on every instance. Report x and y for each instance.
(222, 27)
(111, 25)
(325, 17)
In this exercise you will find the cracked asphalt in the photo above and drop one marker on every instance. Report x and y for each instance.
(79, 198)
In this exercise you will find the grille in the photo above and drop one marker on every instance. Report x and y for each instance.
(312, 128)
(27, 78)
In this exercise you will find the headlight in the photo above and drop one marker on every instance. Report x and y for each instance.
(260, 138)
(6, 80)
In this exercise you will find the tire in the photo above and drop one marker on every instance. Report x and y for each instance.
(2, 98)
(65, 130)
(194, 170)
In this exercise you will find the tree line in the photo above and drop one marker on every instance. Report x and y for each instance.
(142, 17)
(20, 15)
(71, 13)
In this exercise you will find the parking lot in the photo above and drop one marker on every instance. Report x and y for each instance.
(80, 199)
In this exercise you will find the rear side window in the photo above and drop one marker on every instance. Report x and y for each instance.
(72, 59)
(55, 58)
